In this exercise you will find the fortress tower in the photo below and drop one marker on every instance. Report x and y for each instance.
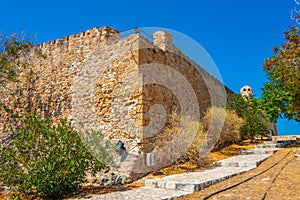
(127, 87)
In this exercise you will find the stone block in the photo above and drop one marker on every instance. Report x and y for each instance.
(150, 183)
(170, 185)
(242, 161)
(161, 184)
(188, 187)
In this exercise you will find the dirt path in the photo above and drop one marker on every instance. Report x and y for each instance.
(281, 181)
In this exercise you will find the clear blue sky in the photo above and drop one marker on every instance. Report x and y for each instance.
(237, 34)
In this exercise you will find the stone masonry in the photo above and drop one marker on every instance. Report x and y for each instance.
(131, 89)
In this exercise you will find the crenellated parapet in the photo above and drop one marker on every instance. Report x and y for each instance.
(82, 41)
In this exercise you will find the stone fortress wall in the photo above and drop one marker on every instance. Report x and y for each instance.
(48, 92)
(98, 80)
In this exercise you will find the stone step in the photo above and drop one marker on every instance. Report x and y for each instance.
(195, 181)
(270, 145)
(173, 186)
(146, 193)
(242, 161)
(285, 142)
(289, 139)
(259, 151)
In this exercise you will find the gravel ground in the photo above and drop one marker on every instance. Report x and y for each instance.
(280, 182)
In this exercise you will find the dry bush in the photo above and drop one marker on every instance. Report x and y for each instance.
(192, 154)
(228, 129)
(231, 131)
(168, 133)
(218, 128)
(184, 128)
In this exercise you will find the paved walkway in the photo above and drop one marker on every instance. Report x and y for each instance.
(177, 185)
(277, 178)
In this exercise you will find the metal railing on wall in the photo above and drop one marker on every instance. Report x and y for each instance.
(135, 30)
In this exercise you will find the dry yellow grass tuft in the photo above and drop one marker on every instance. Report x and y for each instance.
(230, 127)
(219, 126)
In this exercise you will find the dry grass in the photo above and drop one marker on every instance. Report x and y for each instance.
(227, 122)
(218, 128)
(167, 134)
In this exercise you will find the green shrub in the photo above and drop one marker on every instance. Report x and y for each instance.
(47, 160)
(101, 149)
(250, 109)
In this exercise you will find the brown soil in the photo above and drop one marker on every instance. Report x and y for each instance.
(280, 182)
(207, 162)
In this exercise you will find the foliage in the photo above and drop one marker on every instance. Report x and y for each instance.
(12, 49)
(13, 53)
(250, 110)
(45, 159)
(281, 95)
(100, 148)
